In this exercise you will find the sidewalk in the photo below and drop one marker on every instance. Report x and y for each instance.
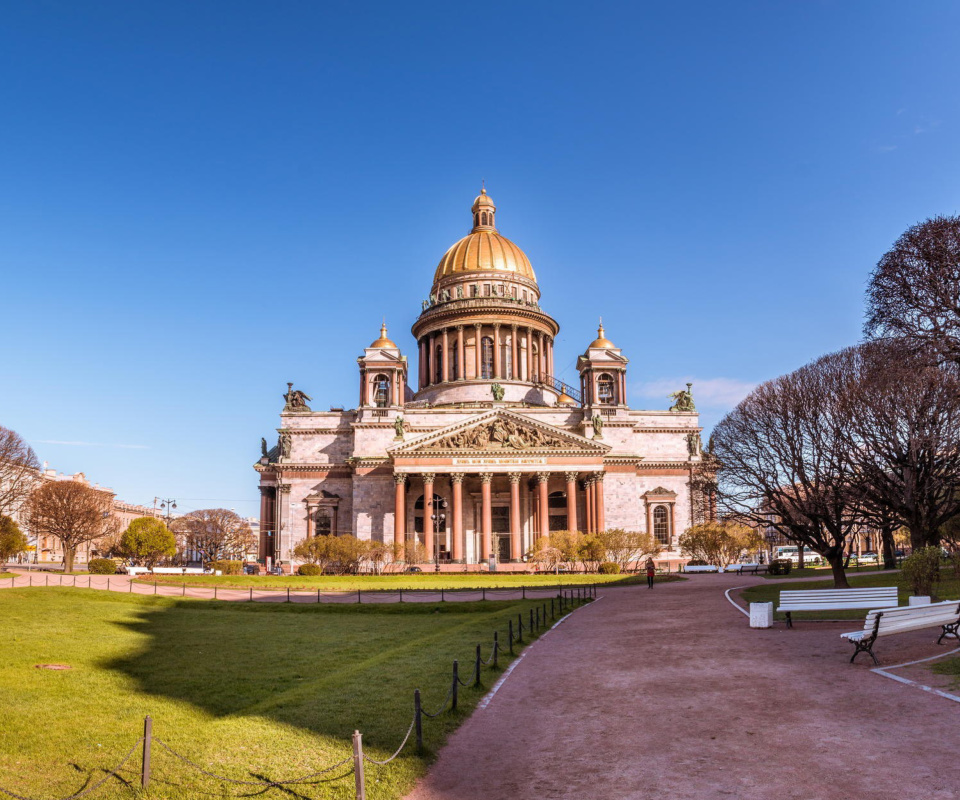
(668, 693)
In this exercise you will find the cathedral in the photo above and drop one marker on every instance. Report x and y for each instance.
(490, 451)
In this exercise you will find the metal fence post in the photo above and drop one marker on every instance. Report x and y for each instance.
(358, 766)
(520, 628)
(154, 587)
(358, 596)
(538, 618)
(442, 599)
(496, 648)
(401, 595)
(89, 581)
(510, 634)
(531, 622)
(108, 584)
(553, 612)
(524, 588)
(251, 594)
(418, 719)
(456, 684)
(288, 594)
(184, 590)
(484, 590)
(214, 592)
(145, 763)
(476, 680)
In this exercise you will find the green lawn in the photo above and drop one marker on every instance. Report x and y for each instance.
(247, 690)
(949, 666)
(824, 572)
(769, 593)
(372, 583)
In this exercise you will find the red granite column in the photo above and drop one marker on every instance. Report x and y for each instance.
(588, 492)
(427, 511)
(423, 364)
(457, 480)
(477, 349)
(497, 361)
(515, 351)
(461, 363)
(571, 501)
(529, 375)
(544, 478)
(445, 364)
(486, 517)
(515, 544)
(601, 516)
(399, 510)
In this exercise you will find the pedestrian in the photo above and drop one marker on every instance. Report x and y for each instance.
(651, 571)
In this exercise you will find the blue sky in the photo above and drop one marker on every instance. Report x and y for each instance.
(202, 201)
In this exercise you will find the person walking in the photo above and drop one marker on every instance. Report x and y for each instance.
(651, 571)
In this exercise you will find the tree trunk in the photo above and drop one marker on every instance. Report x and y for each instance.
(889, 549)
(839, 576)
(800, 556)
(68, 555)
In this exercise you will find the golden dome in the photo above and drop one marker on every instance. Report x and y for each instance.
(383, 341)
(601, 340)
(483, 249)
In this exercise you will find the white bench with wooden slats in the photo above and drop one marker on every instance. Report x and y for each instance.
(868, 597)
(945, 615)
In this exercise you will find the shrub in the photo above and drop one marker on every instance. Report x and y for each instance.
(780, 566)
(227, 567)
(102, 566)
(309, 569)
(696, 562)
(921, 570)
(609, 568)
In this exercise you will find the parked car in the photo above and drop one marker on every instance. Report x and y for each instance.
(251, 569)
(413, 569)
(868, 558)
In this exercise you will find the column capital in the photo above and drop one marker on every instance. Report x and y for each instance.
(478, 325)
(399, 478)
(496, 326)
(486, 477)
(428, 477)
(514, 326)
(570, 476)
(543, 477)
(459, 327)
(515, 477)
(599, 476)
(589, 480)
(456, 477)
(284, 488)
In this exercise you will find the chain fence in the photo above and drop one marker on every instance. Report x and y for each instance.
(563, 603)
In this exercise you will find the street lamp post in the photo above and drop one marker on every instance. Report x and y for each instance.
(439, 504)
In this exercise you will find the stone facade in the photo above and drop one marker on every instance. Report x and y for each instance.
(490, 443)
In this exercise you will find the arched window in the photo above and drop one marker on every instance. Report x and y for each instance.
(454, 363)
(483, 218)
(323, 520)
(476, 220)
(605, 388)
(381, 391)
(486, 357)
(438, 365)
(661, 525)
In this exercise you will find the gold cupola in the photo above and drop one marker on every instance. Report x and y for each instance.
(601, 340)
(383, 341)
(484, 249)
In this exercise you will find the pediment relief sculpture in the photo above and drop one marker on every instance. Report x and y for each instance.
(500, 434)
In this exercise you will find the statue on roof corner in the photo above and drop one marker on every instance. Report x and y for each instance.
(398, 427)
(263, 447)
(296, 400)
(597, 422)
(683, 400)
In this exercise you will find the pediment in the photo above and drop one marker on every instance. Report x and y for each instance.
(500, 432)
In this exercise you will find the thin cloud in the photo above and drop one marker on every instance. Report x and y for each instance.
(707, 392)
(93, 444)
(884, 148)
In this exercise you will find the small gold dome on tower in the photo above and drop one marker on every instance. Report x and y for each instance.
(383, 341)
(601, 340)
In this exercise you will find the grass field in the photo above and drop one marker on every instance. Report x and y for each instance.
(246, 690)
(824, 572)
(405, 581)
(949, 588)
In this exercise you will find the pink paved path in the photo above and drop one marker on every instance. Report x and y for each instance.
(668, 693)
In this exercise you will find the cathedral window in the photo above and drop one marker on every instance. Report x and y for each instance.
(483, 218)
(486, 358)
(513, 291)
(474, 291)
(486, 290)
(605, 388)
(438, 365)
(661, 525)
(323, 522)
(381, 391)
(557, 510)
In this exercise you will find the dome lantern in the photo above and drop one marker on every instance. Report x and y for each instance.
(483, 209)
(383, 341)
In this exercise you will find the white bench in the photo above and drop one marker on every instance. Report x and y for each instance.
(869, 597)
(700, 569)
(167, 570)
(945, 615)
(743, 569)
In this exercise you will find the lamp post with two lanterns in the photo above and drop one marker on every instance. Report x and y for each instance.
(438, 516)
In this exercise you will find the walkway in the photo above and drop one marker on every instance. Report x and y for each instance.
(668, 693)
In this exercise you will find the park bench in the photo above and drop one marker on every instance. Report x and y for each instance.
(836, 599)
(744, 569)
(704, 568)
(945, 615)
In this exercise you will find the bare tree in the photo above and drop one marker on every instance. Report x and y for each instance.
(214, 533)
(19, 470)
(904, 410)
(914, 292)
(785, 460)
(70, 512)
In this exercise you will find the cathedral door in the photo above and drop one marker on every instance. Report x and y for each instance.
(501, 532)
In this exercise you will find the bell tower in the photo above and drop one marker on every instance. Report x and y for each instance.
(383, 377)
(603, 376)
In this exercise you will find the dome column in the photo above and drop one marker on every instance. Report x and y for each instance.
(571, 500)
(529, 375)
(445, 366)
(461, 363)
(478, 331)
(497, 366)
